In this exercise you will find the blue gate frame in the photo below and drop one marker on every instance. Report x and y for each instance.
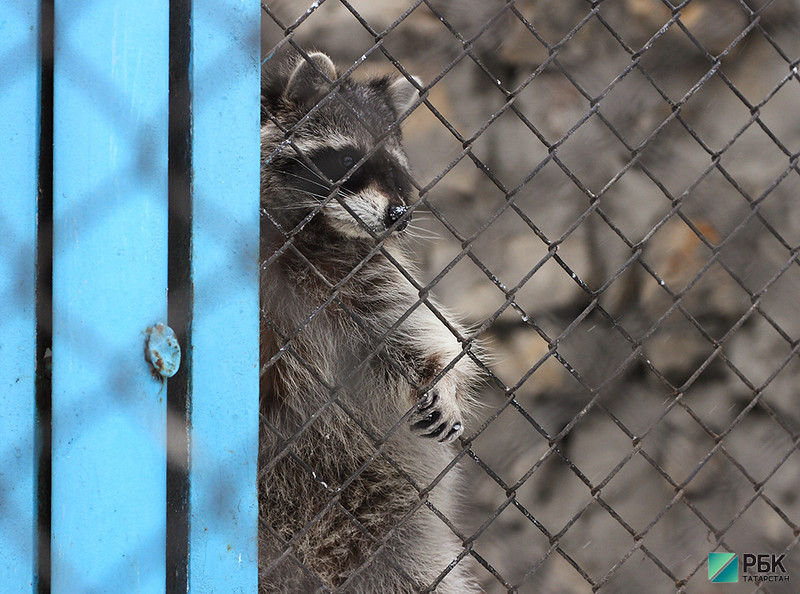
(115, 427)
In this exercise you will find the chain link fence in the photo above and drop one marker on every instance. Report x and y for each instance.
(610, 197)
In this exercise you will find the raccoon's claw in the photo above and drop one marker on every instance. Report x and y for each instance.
(428, 421)
(428, 400)
(435, 419)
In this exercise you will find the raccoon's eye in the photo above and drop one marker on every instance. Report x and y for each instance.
(335, 164)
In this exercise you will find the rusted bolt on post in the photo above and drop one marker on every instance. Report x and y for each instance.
(162, 349)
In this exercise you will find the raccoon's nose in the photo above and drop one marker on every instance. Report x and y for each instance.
(394, 214)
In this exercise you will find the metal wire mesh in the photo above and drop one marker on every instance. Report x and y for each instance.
(627, 244)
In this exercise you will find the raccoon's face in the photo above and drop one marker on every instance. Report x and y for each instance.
(376, 189)
(334, 147)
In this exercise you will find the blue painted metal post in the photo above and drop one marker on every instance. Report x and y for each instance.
(19, 143)
(109, 285)
(224, 354)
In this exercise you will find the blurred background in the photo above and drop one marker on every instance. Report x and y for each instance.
(612, 198)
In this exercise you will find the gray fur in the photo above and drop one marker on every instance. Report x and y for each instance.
(407, 547)
(309, 81)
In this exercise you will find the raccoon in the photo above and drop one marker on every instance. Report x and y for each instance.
(363, 388)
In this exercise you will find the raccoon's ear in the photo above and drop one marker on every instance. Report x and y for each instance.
(403, 93)
(307, 83)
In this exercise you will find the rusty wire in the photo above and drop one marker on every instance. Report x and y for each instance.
(593, 206)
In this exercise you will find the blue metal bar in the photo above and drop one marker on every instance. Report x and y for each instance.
(19, 138)
(224, 354)
(109, 285)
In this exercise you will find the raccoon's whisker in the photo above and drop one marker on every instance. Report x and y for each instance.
(417, 238)
(421, 233)
(307, 168)
(293, 189)
(408, 232)
(346, 192)
(302, 163)
(319, 197)
(314, 182)
(410, 235)
(321, 185)
(290, 207)
(308, 180)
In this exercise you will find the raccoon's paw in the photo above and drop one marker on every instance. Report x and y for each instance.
(437, 417)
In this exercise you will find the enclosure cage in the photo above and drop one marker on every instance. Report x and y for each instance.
(607, 192)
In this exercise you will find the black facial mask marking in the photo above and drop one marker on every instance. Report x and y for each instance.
(335, 164)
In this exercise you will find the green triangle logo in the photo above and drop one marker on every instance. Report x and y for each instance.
(723, 568)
